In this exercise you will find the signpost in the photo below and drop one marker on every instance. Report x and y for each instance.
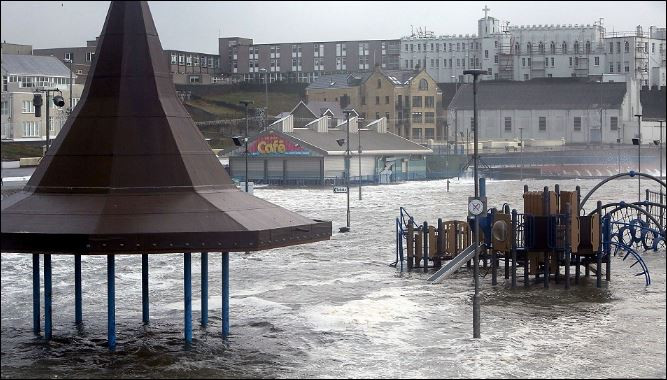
(339, 189)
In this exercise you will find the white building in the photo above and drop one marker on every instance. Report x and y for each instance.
(538, 51)
(575, 111)
(21, 76)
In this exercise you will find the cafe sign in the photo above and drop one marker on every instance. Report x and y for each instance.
(275, 145)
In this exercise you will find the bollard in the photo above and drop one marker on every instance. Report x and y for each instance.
(494, 267)
(425, 252)
(47, 297)
(111, 302)
(204, 288)
(144, 289)
(78, 307)
(187, 296)
(448, 186)
(525, 188)
(225, 294)
(35, 294)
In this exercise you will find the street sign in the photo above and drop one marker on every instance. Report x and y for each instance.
(476, 206)
(339, 189)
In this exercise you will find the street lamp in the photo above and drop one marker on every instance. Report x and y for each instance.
(475, 299)
(521, 145)
(347, 113)
(69, 61)
(266, 97)
(638, 142)
(245, 104)
(58, 101)
(456, 124)
(359, 133)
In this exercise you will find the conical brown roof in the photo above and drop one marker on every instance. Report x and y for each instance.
(131, 173)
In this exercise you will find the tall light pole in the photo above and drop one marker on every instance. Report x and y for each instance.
(70, 85)
(359, 133)
(639, 155)
(456, 124)
(347, 113)
(601, 120)
(475, 299)
(266, 97)
(521, 144)
(245, 104)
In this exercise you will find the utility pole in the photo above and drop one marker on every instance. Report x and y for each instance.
(476, 297)
(360, 180)
(521, 142)
(347, 169)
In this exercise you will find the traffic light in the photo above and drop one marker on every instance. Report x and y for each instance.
(37, 103)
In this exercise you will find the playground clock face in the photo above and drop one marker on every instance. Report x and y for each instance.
(476, 207)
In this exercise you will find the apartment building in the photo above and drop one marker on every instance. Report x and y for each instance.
(538, 51)
(304, 61)
(409, 100)
(21, 76)
(81, 57)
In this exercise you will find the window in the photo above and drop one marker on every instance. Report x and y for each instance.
(429, 101)
(174, 58)
(406, 47)
(552, 62)
(4, 83)
(528, 61)
(188, 60)
(181, 59)
(508, 124)
(472, 124)
(529, 48)
(526, 77)
(489, 71)
(429, 117)
(611, 47)
(377, 100)
(486, 54)
(563, 47)
(416, 133)
(618, 67)
(195, 79)
(577, 123)
(5, 108)
(588, 47)
(417, 117)
(377, 115)
(432, 62)
(363, 100)
(90, 54)
(570, 61)
(552, 47)
(30, 129)
(543, 123)
(627, 66)
(69, 56)
(627, 47)
(495, 58)
(576, 61)
(613, 123)
(611, 67)
(423, 85)
(517, 48)
(386, 115)
(523, 62)
(597, 61)
(540, 47)
(430, 133)
(28, 107)
(386, 100)
(653, 47)
(379, 83)
(618, 46)
(576, 47)
(416, 101)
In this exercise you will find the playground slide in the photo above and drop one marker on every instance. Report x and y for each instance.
(454, 264)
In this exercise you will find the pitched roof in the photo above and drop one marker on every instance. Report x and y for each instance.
(13, 64)
(338, 81)
(318, 108)
(544, 93)
(370, 141)
(448, 92)
(653, 103)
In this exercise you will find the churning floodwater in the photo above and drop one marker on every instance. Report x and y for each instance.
(337, 309)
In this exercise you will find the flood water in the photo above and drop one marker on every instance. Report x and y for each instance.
(337, 309)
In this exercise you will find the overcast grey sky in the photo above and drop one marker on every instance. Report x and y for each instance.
(195, 26)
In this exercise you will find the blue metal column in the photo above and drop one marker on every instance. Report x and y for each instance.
(35, 294)
(204, 288)
(225, 294)
(111, 302)
(47, 297)
(187, 298)
(144, 288)
(78, 307)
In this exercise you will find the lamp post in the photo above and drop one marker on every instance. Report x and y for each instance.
(456, 124)
(475, 299)
(57, 101)
(601, 120)
(359, 133)
(266, 96)
(639, 155)
(69, 61)
(347, 113)
(521, 145)
(245, 104)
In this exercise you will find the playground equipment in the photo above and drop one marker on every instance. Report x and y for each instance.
(553, 231)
